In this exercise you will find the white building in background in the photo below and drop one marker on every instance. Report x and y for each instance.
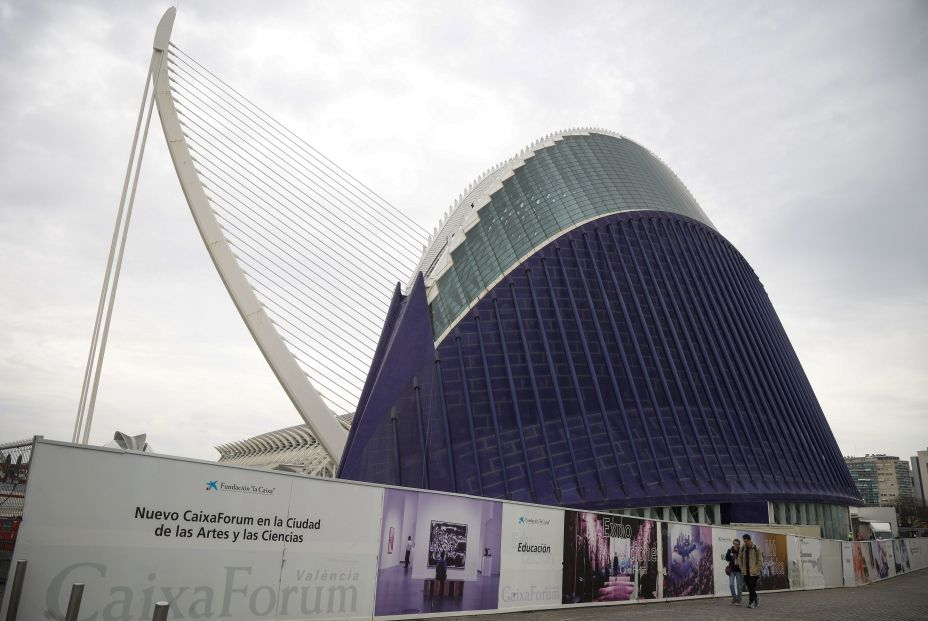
(293, 449)
(920, 476)
(882, 480)
(130, 443)
(874, 522)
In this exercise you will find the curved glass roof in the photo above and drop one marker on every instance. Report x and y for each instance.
(516, 208)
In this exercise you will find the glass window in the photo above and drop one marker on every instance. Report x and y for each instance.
(580, 178)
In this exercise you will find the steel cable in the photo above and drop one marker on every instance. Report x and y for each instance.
(320, 250)
(293, 138)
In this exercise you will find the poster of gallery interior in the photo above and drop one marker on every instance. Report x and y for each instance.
(439, 554)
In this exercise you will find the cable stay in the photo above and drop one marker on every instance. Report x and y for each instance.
(309, 254)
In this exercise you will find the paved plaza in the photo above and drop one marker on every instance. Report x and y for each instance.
(897, 599)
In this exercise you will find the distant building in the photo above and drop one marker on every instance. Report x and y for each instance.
(874, 522)
(880, 479)
(920, 476)
(863, 471)
(294, 449)
(130, 443)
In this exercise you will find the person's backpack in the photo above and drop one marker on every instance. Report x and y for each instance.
(760, 564)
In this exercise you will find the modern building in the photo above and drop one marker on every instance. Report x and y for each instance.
(920, 476)
(579, 333)
(863, 471)
(130, 443)
(294, 449)
(576, 331)
(882, 480)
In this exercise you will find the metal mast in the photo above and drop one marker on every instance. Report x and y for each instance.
(101, 328)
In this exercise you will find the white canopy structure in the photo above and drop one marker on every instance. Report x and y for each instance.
(309, 255)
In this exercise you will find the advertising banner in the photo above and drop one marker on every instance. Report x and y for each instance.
(532, 557)
(883, 559)
(609, 558)
(863, 563)
(775, 558)
(689, 560)
(848, 564)
(794, 564)
(331, 570)
(831, 563)
(918, 553)
(445, 554)
(231, 543)
(213, 541)
(723, 541)
(811, 563)
(901, 556)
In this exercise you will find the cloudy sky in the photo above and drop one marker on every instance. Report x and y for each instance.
(800, 127)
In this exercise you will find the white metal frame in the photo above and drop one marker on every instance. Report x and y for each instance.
(320, 419)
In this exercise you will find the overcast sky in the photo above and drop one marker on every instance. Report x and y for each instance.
(800, 127)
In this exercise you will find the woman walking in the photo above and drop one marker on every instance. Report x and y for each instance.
(735, 577)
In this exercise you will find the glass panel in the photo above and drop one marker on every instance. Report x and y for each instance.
(580, 178)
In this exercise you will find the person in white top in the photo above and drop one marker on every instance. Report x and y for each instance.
(409, 546)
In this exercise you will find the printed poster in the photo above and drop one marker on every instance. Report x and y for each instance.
(794, 564)
(832, 562)
(883, 559)
(812, 563)
(532, 557)
(212, 540)
(450, 559)
(689, 560)
(848, 563)
(901, 556)
(609, 558)
(774, 573)
(723, 541)
(863, 563)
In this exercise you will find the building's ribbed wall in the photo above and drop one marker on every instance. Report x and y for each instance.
(634, 361)
(581, 335)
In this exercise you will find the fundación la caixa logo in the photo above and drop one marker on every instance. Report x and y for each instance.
(531, 521)
(242, 488)
(527, 543)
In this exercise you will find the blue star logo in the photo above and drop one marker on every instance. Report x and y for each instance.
(521, 519)
(212, 485)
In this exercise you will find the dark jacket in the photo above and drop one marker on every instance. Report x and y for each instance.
(734, 563)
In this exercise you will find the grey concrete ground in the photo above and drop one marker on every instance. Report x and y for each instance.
(897, 599)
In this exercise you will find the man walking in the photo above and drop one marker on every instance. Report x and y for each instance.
(751, 564)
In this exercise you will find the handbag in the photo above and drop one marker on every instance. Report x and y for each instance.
(727, 570)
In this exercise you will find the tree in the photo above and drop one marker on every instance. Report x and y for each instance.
(910, 513)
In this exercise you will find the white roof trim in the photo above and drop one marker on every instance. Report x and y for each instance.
(459, 219)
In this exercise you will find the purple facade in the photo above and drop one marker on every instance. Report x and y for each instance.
(635, 361)
(632, 359)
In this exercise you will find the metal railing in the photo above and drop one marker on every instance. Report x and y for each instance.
(74, 602)
(14, 473)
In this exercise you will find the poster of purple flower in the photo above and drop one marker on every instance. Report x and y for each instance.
(882, 558)
(688, 550)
